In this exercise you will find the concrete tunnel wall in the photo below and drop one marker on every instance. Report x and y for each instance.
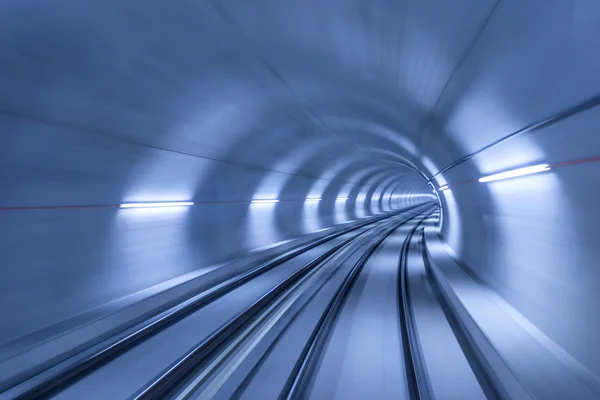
(533, 239)
(108, 103)
(96, 128)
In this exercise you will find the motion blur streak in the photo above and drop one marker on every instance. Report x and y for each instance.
(306, 255)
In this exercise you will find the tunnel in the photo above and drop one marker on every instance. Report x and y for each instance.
(299, 199)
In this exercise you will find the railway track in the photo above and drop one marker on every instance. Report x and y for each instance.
(356, 314)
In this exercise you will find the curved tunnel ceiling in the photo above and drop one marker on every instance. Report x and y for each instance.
(282, 77)
(222, 102)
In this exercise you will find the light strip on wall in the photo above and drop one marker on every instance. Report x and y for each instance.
(516, 172)
(342, 198)
(264, 201)
(313, 199)
(158, 205)
(444, 187)
(411, 196)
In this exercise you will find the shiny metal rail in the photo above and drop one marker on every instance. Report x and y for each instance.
(299, 381)
(490, 383)
(173, 377)
(419, 387)
(86, 363)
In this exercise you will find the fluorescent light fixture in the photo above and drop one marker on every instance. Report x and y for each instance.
(265, 201)
(313, 199)
(412, 196)
(516, 172)
(361, 198)
(342, 198)
(444, 187)
(158, 205)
